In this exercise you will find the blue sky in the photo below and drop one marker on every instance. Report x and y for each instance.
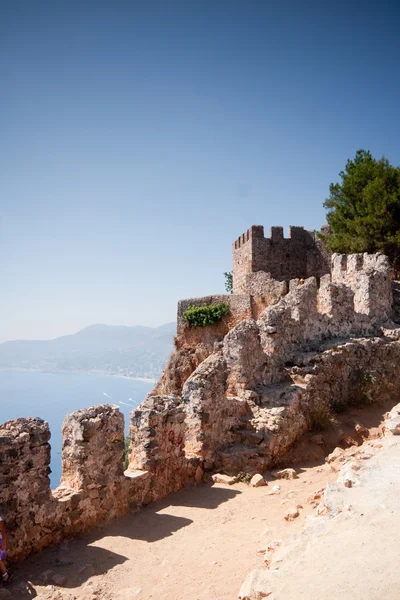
(139, 139)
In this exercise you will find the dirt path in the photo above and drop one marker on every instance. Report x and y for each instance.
(198, 544)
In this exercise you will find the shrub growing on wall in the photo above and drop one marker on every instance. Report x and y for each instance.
(201, 316)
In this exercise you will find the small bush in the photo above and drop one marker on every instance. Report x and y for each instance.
(362, 388)
(229, 282)
(201, 316)
(320, 416)
(244, 477)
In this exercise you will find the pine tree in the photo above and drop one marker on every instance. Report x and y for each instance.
(364, 209)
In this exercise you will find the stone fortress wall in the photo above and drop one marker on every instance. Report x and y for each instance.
(94, 487)
(244, 397)
(299, 255)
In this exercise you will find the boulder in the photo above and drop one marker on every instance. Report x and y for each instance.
(257, 480)
(286, 474)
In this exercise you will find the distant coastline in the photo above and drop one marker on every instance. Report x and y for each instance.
(77, 372)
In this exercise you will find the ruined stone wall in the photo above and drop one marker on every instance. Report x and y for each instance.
(93, 489)
(158, 432)
(299, 256)
(211, 415)
(356, 302)
(252, 431)
(246, 406)
(368, 276)
(25, 485)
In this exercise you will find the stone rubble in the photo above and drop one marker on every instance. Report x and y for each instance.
(340, 512)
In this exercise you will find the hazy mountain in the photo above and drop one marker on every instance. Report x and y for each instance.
(135, 351)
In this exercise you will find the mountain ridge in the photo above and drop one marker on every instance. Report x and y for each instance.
(133, 351)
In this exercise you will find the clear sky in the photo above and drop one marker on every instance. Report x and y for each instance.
(139, 139)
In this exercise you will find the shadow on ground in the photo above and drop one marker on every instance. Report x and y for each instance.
(78, 559)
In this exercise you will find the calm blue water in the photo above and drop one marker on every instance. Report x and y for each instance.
(51, 396)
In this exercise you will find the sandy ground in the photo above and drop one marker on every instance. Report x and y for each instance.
(353, 555)
(198, 544)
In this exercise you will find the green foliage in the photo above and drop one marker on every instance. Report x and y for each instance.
(244, 477)
(201, 316)
(228, 282)
(126, 456)
(362, 388)
(320, 416)
(364, 208)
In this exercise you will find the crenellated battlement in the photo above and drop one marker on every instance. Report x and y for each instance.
(299, 255)
(355, 301)
(276, 234)
(347, 265)
(254, 232)
(94, 487)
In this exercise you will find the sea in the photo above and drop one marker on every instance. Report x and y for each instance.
(51, 396)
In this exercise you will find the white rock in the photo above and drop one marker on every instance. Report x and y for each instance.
(337, 455)
(348, 476)
(393, 427)
(257, 480)
(274, 490)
